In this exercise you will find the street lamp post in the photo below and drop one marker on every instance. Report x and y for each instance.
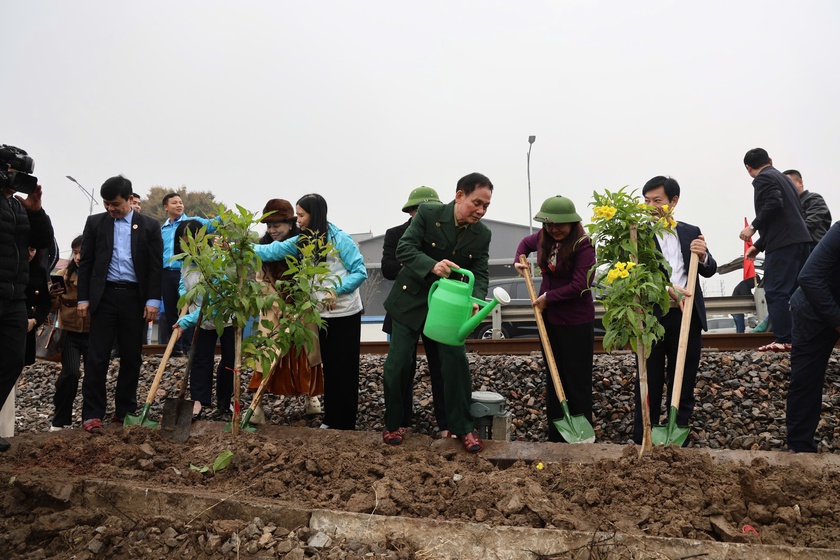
(530, 215)
(87, 194)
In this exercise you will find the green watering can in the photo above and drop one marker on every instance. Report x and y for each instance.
(450, 319)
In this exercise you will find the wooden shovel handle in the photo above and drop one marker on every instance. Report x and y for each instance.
(263, 384)
(547, 350)
(172, 340)
(685, 326)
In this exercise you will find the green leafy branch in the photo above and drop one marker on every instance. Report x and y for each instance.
(234, 295)
(628, 262)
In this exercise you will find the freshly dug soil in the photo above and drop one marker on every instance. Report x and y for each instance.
(672, 492)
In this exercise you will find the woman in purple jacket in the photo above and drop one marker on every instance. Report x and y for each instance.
(565, 255)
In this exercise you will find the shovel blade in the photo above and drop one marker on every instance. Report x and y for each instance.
(176, 419)
(574, 429)
(670, 434)
(140, 420)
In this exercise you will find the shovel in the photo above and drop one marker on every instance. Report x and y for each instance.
(574, 429)
(176, 418)
(245, 424)
(671, 434)
(142, 419)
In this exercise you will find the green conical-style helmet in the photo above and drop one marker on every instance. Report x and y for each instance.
(558, 210)
(420, 195)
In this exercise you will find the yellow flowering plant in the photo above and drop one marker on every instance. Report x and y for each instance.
(633, 273)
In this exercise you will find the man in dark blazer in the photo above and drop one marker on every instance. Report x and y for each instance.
(119, 287)
(438, 238)
(391, 267)
(784, 238)
(661, 365)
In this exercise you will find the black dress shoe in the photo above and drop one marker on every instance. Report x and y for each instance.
(4, 445)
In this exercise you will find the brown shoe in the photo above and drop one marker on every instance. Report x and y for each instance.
(472, 443)
(93, 426)
(395, 437)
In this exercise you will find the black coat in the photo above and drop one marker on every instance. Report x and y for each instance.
(38, 305)
(19, 230)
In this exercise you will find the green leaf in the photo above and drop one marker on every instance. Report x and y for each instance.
(222, 460)
(203, 469)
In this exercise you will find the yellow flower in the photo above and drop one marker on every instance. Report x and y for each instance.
(612, 275)
(630, 265)
(665, 208)
(606, 212)
(539, 466)
(624, 273)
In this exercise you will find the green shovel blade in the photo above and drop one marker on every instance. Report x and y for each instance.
(245, 424)
(574, 429)
(670, 434)
(141, 420)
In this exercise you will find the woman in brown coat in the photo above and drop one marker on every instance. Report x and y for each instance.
(297, 372)
(75, 342)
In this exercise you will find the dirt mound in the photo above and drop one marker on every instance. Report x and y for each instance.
(673, 492)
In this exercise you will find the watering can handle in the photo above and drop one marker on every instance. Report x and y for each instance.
(464, 272)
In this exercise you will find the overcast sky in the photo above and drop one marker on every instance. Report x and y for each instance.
(363, 101)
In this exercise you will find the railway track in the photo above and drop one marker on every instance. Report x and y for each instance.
(513, 346)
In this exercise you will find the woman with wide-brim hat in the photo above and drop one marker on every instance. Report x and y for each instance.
(296, 373)
(340, 307)
(564, 256)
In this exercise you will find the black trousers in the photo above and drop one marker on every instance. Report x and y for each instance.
(119, 316)
(436, 380)
(781, 268)
(201, 374)
(661, 366)
(170, 280)
(13, 322)
(808, 362)
(74, 350)
(340, 347)
(572, 347)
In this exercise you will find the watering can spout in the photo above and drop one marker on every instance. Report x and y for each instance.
(500, 296)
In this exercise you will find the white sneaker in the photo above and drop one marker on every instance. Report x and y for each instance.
(312, 405)
(56, 428)
(324, 427)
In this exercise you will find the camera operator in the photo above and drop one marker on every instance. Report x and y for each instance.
(23, 224)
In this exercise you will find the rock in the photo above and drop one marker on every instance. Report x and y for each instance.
(319, 540)
(96, 546)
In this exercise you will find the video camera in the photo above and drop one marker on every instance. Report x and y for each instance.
(20, 179)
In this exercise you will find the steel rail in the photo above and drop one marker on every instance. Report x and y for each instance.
(524, 346)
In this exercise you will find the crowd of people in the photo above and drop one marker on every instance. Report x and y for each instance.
(125, 265)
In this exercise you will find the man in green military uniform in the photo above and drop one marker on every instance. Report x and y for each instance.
(440, 237)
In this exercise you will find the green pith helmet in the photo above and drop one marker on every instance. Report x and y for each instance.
(557, 210)
(420, 195)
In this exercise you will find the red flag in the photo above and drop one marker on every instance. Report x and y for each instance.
(749, 266)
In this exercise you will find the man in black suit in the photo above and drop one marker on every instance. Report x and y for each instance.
(390, 268)
(784, 238)
(661, 365)
(119, 286)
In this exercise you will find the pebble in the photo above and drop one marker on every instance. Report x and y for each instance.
(740, 398)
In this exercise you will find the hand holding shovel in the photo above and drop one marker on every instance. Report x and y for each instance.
(574, 429)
